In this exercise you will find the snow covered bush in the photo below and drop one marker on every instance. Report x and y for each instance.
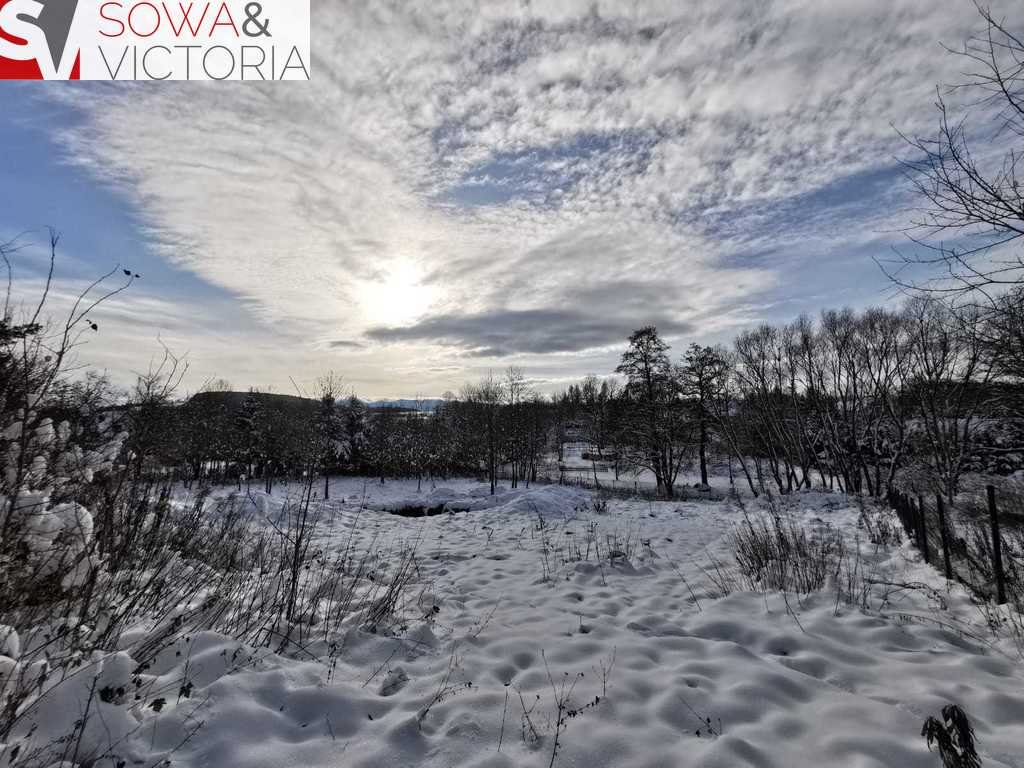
(62, 607)
(43, 464)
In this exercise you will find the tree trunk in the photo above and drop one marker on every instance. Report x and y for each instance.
(703, 452)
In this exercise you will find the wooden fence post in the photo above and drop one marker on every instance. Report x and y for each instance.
(943, 533)
(923, 520)
(997, 549)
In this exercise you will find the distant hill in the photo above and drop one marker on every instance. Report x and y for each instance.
(426, 404)
(232, 402)
(235, 399)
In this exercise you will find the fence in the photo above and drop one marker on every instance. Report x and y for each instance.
(964, 545)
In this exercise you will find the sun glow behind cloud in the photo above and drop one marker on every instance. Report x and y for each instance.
(464, 184)
(398, 296)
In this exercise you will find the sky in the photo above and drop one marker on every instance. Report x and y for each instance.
(465, 186)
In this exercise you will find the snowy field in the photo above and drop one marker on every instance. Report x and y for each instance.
(526, 597)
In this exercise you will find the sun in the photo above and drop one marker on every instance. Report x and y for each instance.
(399, 297)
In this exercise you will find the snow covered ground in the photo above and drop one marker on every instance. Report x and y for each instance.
(533, 593)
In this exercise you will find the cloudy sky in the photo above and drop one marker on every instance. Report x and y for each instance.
(465, 185)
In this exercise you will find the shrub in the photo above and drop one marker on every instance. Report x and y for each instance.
(954, 737)
(776, 553)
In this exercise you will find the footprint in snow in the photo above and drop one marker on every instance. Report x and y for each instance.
(394, 682)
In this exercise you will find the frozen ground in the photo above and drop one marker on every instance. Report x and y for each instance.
(496, 624)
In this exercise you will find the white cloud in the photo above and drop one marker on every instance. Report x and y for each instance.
(334, 207)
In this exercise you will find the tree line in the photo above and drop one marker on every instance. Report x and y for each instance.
(851, 401)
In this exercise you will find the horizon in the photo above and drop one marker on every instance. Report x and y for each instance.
(463, 187)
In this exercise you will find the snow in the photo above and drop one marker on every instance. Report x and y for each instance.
(543, 501)
(506, 605)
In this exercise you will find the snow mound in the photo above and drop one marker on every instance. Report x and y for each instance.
(545, 501)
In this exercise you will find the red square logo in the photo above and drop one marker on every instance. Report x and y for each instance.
(34, 37)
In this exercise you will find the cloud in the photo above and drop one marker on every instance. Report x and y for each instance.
(502, 333)
(533, 178)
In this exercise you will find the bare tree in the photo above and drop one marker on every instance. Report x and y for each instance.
(538, 413)
(765, 377)
(329, 427)
(1003, 335)
(597, 400)
(972, 201)
(516, 390)
(485, 399)
(950, 386)
(148, 410)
